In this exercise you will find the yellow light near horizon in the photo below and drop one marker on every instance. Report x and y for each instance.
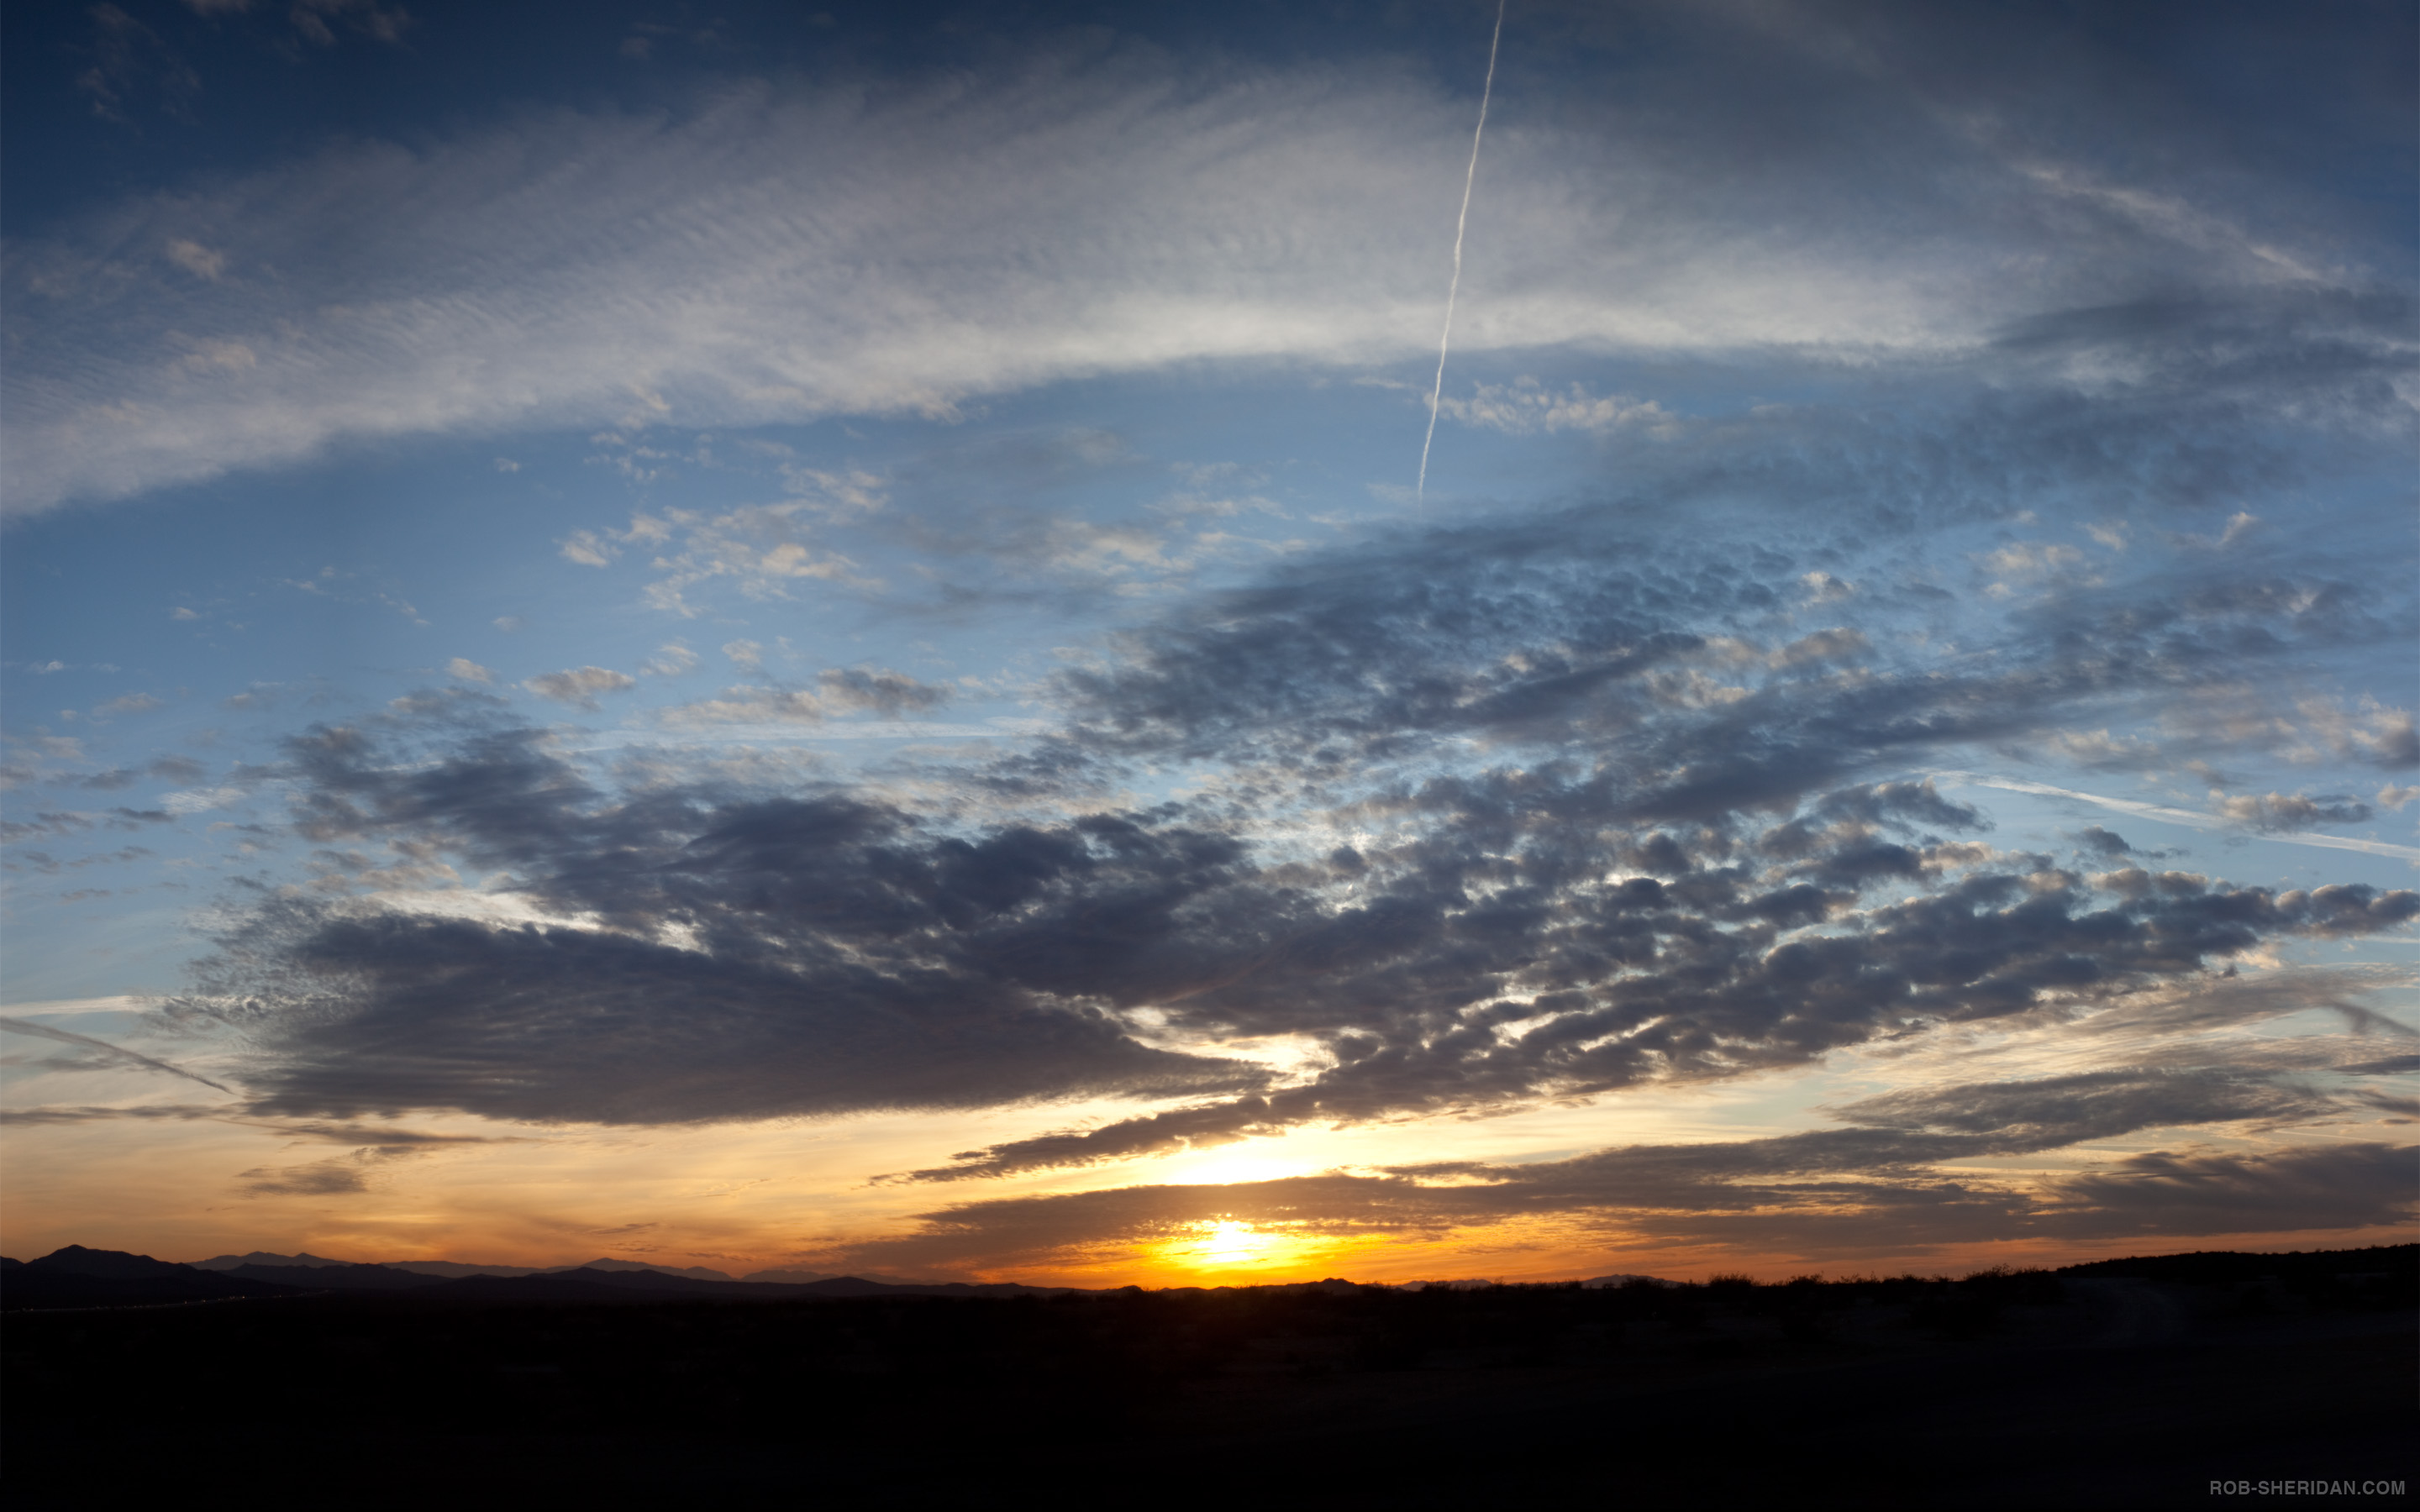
(1219, 1244)
(1224, 1242)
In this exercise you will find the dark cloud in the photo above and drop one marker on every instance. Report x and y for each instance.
(44, 826)
(2398, 1109)
(1692, 1000)
(2280, 810)
(1849, 1190)
(2063, 1110)
(44, 862)
(1670, 863)
(1548, 803)
(561, 1024)
(887, 693)
(359, 1137)
(339, 1176)
(767, 956)
(2334, 1186)
(185, 1112)
(2404, 1065)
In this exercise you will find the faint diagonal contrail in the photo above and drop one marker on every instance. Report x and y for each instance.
(116, 1052)
(1468, 178)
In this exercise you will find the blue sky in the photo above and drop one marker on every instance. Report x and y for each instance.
(839, 598)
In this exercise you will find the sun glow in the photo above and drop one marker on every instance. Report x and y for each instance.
(1240, 1252)
(1223, 1243)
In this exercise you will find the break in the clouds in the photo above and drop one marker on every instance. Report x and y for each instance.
(1908, 628)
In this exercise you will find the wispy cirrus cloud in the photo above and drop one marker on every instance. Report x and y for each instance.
(1077, 210)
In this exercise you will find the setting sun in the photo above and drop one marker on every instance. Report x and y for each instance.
(1224, 1242)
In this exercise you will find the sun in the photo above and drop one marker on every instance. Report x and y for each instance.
(1222, 1242)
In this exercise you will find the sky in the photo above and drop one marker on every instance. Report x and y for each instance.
(813, 641)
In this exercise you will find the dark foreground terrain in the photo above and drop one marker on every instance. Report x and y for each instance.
(2122, 1383)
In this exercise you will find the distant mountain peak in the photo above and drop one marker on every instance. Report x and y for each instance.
(262, 1257)
(74, 1259)
(698, 1273)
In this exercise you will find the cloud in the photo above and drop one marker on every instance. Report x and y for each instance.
(580, 686)
(838, 691)
(44, 824)
(1527, 407)
(1505, 934)
(197, 259)
(44, 1115)
(2182, 816)
(1090, 209)
(2054, 1112)
(670, 660)
(1545, 804)
(318, 20)
(2343, 1186)
(339, 1176)
(130, 60)
(1844, 1191)
(2102, 842)
(199, 800)
(746, 705)
(2279, 810)
(469, 671)
(875, 690)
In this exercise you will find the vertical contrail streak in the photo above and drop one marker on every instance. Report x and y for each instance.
(1471, 177)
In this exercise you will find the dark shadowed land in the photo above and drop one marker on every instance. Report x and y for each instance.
(2132, 1382)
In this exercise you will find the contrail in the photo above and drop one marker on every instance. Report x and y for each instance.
(87, 1042)
(2184, 816)
(1468, 178)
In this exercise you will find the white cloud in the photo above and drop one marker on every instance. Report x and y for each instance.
(841, 690)
(761, 550)
(780, 255)
(749, 707)
(469, 671)
(198, 800)
(2030, 558)
(197, 259)
(670, 660)
(1524, 407)
(580, 686)
(588, 548)
(2290, 810)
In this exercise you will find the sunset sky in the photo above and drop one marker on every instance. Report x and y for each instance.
(803, 640)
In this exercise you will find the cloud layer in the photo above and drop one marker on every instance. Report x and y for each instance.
(776, 253)
(1540, 808)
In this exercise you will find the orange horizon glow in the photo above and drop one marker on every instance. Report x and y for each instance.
(1230, 1251)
